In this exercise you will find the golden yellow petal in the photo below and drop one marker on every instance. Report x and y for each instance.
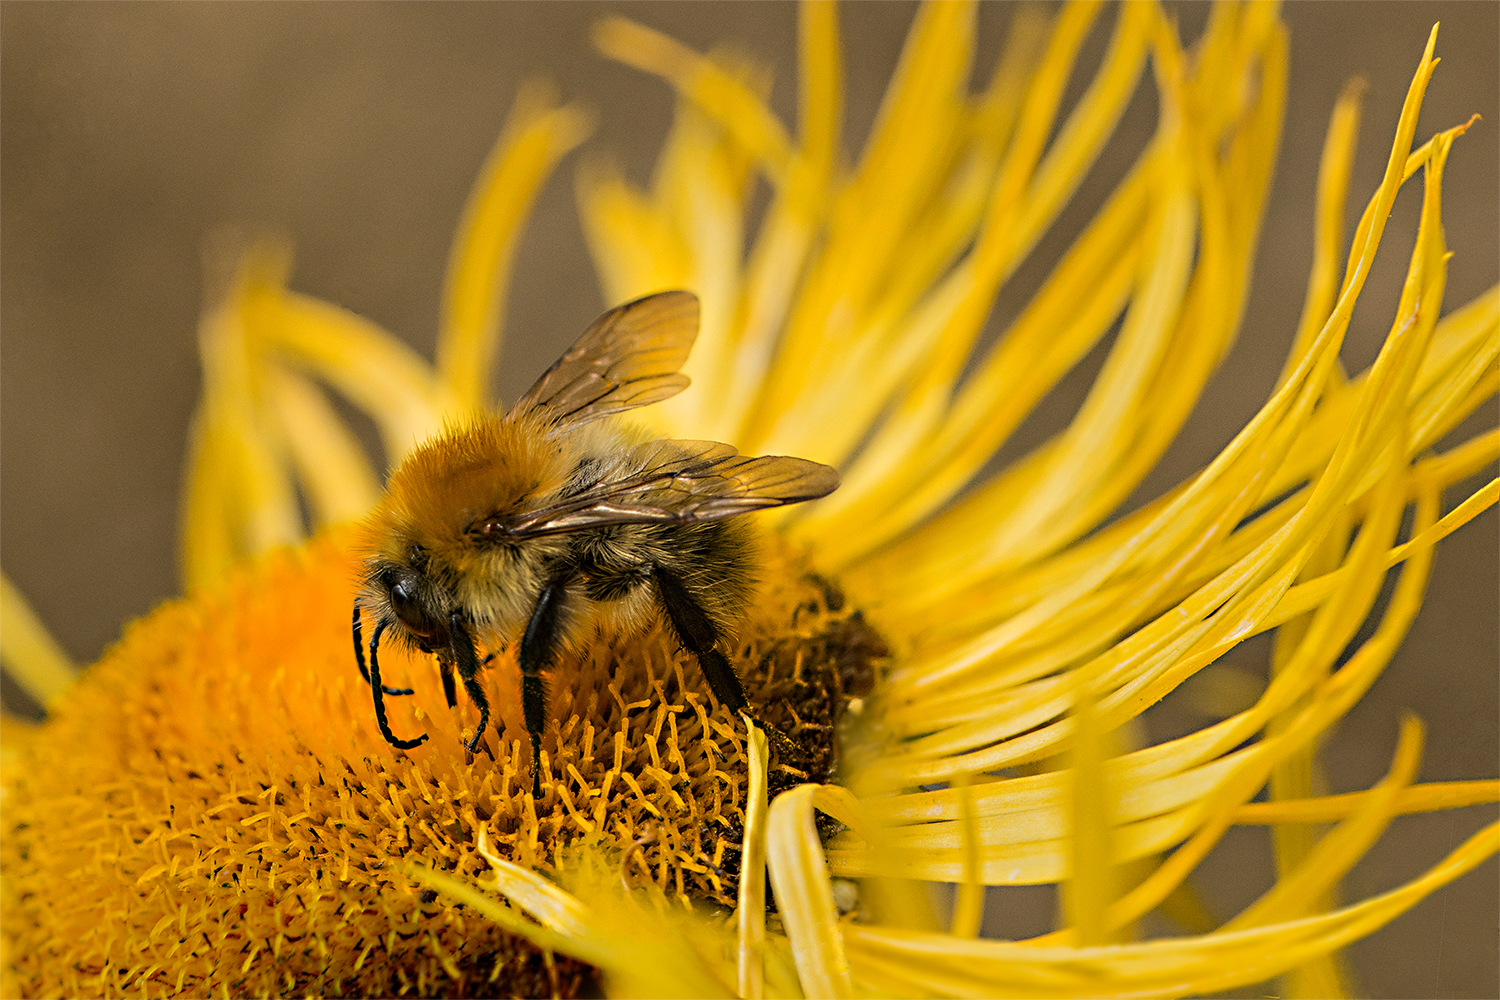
(372, 369)
(700, 193)
(968, 900)
(1302, 888)
(799, 877)
(913, 963)
(1429, 797)
(240, 500)
(1094, 878)
(336, 476)
(720, 94)
(537, 135)
(32, 658)
(635, 249)
(751, 912)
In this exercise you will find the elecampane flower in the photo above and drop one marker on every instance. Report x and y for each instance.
(998, 747)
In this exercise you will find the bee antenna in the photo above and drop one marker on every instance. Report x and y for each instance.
(359, 653)
(379, 691)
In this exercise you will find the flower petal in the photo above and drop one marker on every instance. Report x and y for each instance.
(537, 135)
(32, 658)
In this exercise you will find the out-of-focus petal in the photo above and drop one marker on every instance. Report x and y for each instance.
(32, 658)
(537, 135)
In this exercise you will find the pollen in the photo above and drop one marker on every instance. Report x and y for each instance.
(226, 819)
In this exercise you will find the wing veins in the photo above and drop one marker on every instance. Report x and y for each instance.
(629, 357)
(684, 481)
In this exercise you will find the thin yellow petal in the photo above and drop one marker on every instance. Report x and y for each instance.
(372, 369)
(549, 904)
(1332, 808)
(644, 948)
(1328, 228)
(635, 249)
(1093, 882)
(207, 547)
(700, 188)
(968, 900)
(1206, 325)
(336, 475)
(751, 914)
(867, 270)
(1302, 890)
(1335, 695)
(32, 658)
(1196, 965)
(799, 876)
(537, 135)
(239, 497)
(820, 85)
(905, 161)
(1043, 858)
(722, 96)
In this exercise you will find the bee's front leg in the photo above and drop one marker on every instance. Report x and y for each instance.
(378, 690)
(445, 669)
(460, 653)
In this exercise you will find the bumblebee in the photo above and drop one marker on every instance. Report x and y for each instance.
(542, 521)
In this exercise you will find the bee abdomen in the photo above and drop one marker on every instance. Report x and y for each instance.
(712, 561)
(617, 584)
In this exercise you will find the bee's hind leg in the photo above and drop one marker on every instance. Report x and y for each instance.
(696, 631)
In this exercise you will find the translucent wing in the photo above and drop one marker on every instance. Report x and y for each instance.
(629, 357)
(678, 482)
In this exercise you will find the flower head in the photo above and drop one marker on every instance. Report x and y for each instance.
(964, 657)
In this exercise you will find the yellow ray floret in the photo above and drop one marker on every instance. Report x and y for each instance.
(30, 654)
(536, 136)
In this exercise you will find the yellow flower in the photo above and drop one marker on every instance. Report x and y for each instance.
(217, 781)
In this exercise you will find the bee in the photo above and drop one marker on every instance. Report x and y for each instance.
(536, 523)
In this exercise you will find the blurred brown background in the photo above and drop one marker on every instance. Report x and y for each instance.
(130, 131)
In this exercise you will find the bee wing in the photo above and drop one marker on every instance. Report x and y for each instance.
(683, 481)
(629, 357)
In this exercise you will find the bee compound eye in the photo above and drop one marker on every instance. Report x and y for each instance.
(404, 602)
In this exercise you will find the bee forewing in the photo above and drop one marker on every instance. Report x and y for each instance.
(713, 475)
(684, 481)
(629, 357)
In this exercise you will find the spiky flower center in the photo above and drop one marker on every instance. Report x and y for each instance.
(218, 785)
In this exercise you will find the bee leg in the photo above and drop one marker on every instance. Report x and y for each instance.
(537, 647)
(379, 693)
(445, 666)
(478, 697)
(359, 655)
(696, 631)
(462, 653)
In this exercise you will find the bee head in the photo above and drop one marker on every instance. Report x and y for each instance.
(403, 590)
